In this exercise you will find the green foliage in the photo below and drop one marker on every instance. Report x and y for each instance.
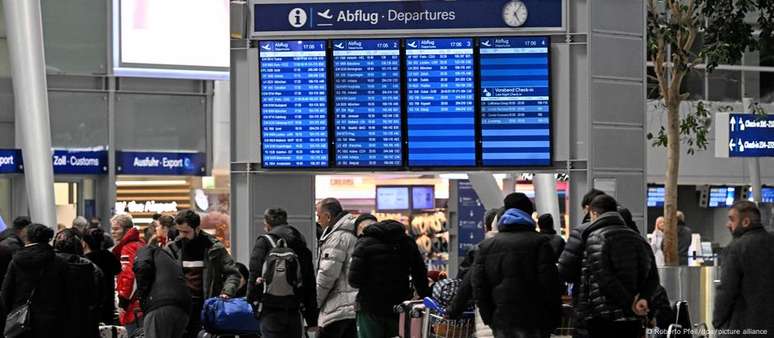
(727, 28)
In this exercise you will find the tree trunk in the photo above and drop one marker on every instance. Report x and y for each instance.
(672, 172)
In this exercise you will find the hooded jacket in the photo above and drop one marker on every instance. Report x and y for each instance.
(84, 295)
(382, 263)
(515, 281)
(335, 296)
(744, 298)
(295, 240)
(37, 267)
(125, 251)
(220, 272)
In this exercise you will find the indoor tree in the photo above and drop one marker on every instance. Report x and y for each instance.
(729, 28)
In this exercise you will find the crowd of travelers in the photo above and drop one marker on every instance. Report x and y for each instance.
(156, 283)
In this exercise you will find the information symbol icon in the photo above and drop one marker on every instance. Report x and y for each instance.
(297, 17)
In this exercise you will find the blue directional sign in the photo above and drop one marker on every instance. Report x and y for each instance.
(750, 135)
(158, 163)
(82, 162)
(280, 18)
(470, 217)
(11, 161)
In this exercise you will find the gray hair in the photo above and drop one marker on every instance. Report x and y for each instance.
(123, 220)
(80, 223)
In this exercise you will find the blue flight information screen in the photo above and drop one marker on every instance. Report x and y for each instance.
(367, 88)
(441, 104)
(294, 113)
(515, 101)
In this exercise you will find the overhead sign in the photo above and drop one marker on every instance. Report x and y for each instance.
(471, 217)
(11, 161)
(153, 163)
(746, 135)
(278, 18)
(80, 162)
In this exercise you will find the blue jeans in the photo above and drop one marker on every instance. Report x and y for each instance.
(131, 328)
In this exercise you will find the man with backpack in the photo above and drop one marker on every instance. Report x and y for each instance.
(287, 288)
(209, 269)
(164, 298)
(617, 273)
(334, 294)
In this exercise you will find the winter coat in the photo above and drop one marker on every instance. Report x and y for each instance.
(571, 258)
(335, 297)
(295, 240)
(9, 245)
(684, 238)
(220, 273)
(744, 298)
(515, 281)
(617, 265)
(383, 260)
(557, 245)
(125, 251)
(110, 267)
(37, 267)
(160, 280)
(84, 295)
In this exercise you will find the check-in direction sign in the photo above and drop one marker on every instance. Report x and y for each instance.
(746, 135)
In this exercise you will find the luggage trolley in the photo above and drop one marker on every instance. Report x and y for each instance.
(436, 325)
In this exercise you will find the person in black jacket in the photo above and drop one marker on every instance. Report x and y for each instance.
(383, 261)
(546, 225)
(109, 265)
(684, 238)
(744, 298)
(164, 298)
(463, 299)
(83, 292)
(515, 281)
(36, 267)
(283, 320)
(11, 241)
(618, 276)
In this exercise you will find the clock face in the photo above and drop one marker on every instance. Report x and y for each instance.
(515, 13)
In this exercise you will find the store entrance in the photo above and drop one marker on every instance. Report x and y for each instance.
(74, 196)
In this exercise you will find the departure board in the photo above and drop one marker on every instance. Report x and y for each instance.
(367, 99)
(515, 101)
(294, 113)
(441, 105)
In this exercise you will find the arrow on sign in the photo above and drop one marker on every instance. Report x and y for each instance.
(732, 122)
(731, 145)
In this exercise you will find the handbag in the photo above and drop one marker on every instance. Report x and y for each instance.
(18, 321)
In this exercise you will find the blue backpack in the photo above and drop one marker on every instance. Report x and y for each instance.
(229, 316)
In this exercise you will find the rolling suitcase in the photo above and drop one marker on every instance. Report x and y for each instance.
(112, 331)
(411, 314)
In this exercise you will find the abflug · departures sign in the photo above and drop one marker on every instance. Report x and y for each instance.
(272, 19)
(157, 163)
(751, 135)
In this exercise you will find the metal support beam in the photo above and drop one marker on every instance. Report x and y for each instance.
(546, 201)
(487, 189)
(28, 70)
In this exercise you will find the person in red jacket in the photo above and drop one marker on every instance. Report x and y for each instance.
(128, 239)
